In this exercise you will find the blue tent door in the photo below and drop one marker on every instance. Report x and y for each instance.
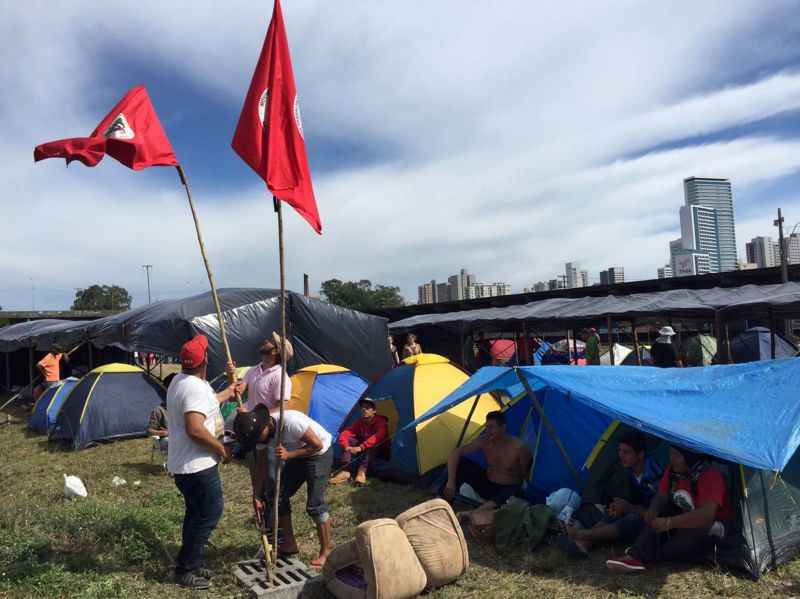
(332, 398)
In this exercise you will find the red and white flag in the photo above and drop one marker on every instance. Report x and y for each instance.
(269, 136)
(131, 133)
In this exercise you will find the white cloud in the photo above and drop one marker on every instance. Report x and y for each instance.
(520, 138)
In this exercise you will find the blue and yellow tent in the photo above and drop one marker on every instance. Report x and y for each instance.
(326, 393)
(407, 392)
(111, 402)
(46, 409)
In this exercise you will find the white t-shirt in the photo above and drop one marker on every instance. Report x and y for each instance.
(188, 393)
(295, 425)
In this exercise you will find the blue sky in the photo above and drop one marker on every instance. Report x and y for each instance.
(504, 138)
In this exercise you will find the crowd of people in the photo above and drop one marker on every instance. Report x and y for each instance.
(672, 513)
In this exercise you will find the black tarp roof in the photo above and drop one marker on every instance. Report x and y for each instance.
(689, 303)
(320, 332)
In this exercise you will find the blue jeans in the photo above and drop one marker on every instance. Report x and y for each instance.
(202, 494)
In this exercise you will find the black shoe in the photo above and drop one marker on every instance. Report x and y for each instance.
(205, 573)
(191, 580)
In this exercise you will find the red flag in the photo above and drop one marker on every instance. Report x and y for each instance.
(131, 133)
(269, 136)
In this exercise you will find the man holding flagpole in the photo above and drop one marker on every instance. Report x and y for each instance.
(269, 138)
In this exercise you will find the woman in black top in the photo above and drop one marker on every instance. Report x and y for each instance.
(663, 351)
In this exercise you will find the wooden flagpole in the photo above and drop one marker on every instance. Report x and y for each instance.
(279, 438)
(212, 282)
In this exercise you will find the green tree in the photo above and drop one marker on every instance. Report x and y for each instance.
(361, 295)
(102, 297)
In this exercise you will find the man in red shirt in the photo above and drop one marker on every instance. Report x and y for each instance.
(362, 441)
(687, 517)
(49, 370)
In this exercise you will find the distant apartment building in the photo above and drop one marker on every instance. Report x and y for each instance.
(792, 248)
(763, 252)
(574, 277)
(459, 283)
(614, 275)
(442, 292)
(747, 265)
(539, 287)
(479, 290)
(559, 282)
(716, 194)
(687, 262)
(665, 272)
(700, 232)
(426, 293)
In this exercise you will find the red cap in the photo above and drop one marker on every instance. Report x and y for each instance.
(193, 352)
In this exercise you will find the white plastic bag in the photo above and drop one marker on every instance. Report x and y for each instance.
(118, 481)
(73, 487)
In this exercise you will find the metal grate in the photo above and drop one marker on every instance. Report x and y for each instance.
(290, 578)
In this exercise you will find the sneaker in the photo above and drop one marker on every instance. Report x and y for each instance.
(191, 580)
(626, 564)
(340, 478)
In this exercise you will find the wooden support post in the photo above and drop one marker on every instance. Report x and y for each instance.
(30, 367)
(91, 357)
(609, 324)
(636, 343)
(771, 333)
(575, 345)
(8, 371)
(727, 345)
(306, 285)
(549, 425)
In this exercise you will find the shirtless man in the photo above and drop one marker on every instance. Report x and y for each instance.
(508, 463)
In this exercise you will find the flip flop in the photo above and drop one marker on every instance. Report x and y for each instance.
(571, 548)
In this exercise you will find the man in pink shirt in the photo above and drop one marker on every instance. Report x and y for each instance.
(263, 381)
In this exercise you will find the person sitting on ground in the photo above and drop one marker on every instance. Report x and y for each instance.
(687, 517)
(663, 350)
(361, 443)
(508, 464)
(412, 346)
(591, 342)
(306, 449)
(621, 499)
(50, 371)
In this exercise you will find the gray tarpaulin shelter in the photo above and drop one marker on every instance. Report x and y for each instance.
(320, 332)
(778, 300)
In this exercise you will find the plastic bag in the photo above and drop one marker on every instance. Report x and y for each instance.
(558, 500)
(74, 487)
(118, 481)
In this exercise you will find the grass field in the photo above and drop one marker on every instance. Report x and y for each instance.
(119, 542)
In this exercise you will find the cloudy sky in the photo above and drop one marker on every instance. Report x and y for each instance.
(504, 137)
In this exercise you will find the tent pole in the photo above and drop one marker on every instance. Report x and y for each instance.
(30, 367)
(636, 342)
(230, 368)
(468, 420)
(609, 324)
(463, 349)
(8, 372)
(91, 358)
(575, 346)
(771, 333)
(279, 438)
(728, 344)
(550, 430)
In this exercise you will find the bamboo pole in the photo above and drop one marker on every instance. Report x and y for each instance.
(771, 334)
(610, 341)
(212, 282)
(727, 344)
(279, 438)
(636, 343)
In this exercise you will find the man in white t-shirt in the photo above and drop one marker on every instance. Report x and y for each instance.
(306, 448)
(195, 428)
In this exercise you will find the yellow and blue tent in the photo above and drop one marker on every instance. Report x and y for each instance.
(326, 393)
(405, 393)
(111, 402)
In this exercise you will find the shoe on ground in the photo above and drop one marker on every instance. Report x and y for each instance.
(361, 478)
(205, 573)
(191, 580)
(340, 478)
(625, 565)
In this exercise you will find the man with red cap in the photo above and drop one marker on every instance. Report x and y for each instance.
(195, 427)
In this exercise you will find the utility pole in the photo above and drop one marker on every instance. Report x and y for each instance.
(778, 222)
(147, 268)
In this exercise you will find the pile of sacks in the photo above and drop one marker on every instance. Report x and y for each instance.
(422, 549)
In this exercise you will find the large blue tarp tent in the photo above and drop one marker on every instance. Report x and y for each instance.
(747, 416)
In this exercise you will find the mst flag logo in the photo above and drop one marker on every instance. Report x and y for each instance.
(119, 128)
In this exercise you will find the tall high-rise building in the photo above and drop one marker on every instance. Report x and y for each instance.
(574, 277)
(426, 293)
(716, 194)
(539, 286)
(700, 232)
(442, 292)
(687, 262)
(665, 272)
(559, 282)
(459, 283)
(792, 248)
(479, 290)
(613, 276)
(763, 252)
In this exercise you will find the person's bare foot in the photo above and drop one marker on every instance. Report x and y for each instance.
(321, 559)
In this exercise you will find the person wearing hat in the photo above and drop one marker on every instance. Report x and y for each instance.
(361, 443)
(306, 448)
(195, 427)
(687, 517)
(263, 381)
(663, 350)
